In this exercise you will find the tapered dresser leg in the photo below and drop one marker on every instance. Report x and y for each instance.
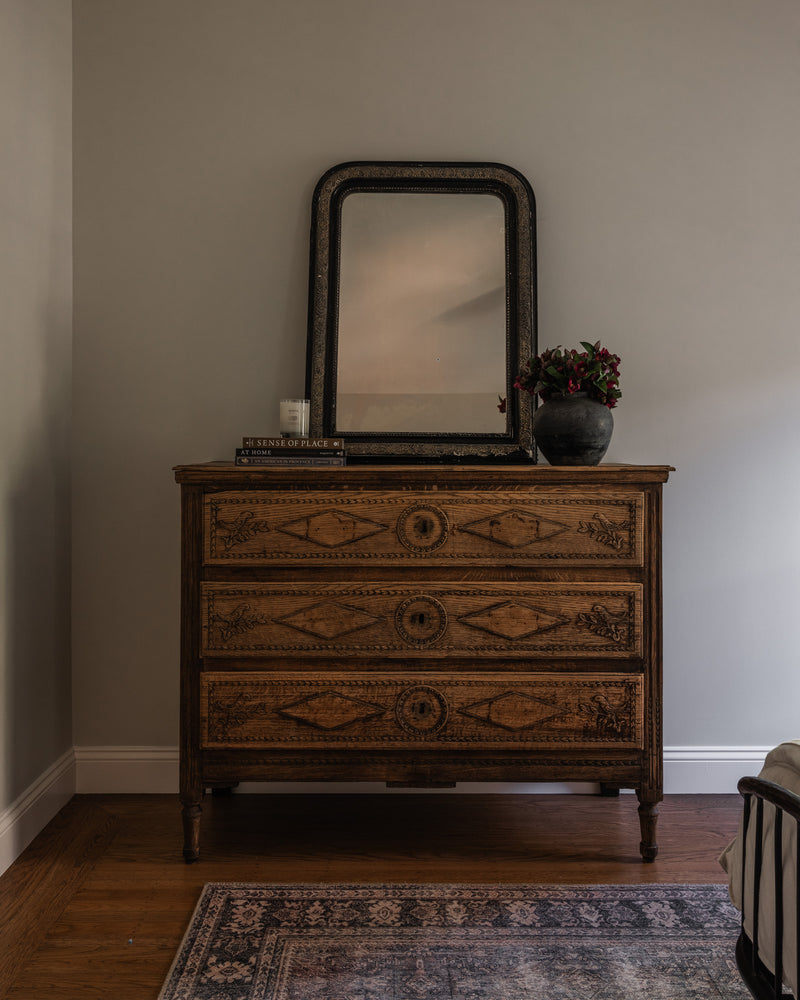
(648, 818)
(191, 831)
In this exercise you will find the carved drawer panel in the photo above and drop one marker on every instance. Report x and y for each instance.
(438, 619)
(447, 528)
(252, 710)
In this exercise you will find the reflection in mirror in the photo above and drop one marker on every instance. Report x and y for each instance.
(422, 313)
(422, 310)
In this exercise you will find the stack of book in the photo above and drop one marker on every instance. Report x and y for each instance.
(290, 451)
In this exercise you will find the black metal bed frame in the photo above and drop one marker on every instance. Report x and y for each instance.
(762, 983)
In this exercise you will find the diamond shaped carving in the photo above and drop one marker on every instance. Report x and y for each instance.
(332, 528)
(513, 710)
(514, 528)
(512, 620)
(329, 620)
(331, 710)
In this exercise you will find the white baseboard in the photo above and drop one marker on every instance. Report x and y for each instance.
(34, 809)
(687, 770)
(154, 770)
(707, 770)
(143, 770)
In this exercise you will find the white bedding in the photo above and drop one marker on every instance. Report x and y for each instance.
(782, 766)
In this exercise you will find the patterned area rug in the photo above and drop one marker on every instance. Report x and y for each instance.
(458, 942)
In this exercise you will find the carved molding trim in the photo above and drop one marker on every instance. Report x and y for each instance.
(571, 765)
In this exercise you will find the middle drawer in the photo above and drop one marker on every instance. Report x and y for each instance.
(431, 619)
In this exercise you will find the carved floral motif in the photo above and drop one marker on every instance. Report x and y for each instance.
(604, 531)
(240, 530)
(241, 620)
(605, 718)
(609, 624)
(230, 713)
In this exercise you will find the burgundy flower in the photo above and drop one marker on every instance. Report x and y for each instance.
(556, 372)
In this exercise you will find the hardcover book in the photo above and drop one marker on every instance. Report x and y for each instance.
(294, 444)
(285, 452)
(287, 459)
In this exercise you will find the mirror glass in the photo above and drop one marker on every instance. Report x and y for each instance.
(422, 313)
(421, 310)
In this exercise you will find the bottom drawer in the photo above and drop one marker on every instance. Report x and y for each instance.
(378, 711)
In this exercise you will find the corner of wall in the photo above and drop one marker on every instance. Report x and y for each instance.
(33, 810)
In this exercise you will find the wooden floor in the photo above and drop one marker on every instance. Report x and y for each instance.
(97, 905)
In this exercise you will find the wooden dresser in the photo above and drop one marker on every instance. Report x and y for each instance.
(421, 625)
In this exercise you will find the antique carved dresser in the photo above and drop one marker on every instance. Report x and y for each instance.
(421, 625)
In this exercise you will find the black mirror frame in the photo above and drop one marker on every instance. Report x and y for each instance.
(516, 444)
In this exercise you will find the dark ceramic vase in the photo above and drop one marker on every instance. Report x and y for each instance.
(573, 430)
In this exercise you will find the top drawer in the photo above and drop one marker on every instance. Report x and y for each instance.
(261, 528)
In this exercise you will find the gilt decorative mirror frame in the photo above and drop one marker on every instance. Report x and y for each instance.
(422, 309)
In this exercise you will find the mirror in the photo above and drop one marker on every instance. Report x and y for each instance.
(422, 310)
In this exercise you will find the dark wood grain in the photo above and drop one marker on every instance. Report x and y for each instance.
(380, 593)
(226, 475)
(41, 884)
(97, 905)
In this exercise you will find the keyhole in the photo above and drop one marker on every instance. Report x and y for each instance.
(424, 526)
(419, 618)
(421, 709)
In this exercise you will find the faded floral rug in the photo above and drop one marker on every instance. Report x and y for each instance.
(458, 942)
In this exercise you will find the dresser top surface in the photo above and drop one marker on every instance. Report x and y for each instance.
(228, 475)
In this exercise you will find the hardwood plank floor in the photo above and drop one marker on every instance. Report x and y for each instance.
(98, 904)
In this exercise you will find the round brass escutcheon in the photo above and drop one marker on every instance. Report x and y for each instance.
(422, 528)
(421, 620)
(421, 710)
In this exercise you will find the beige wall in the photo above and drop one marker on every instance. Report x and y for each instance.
(662, 142)
(36, 331)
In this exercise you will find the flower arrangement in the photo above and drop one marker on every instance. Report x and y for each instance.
(554, 372)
